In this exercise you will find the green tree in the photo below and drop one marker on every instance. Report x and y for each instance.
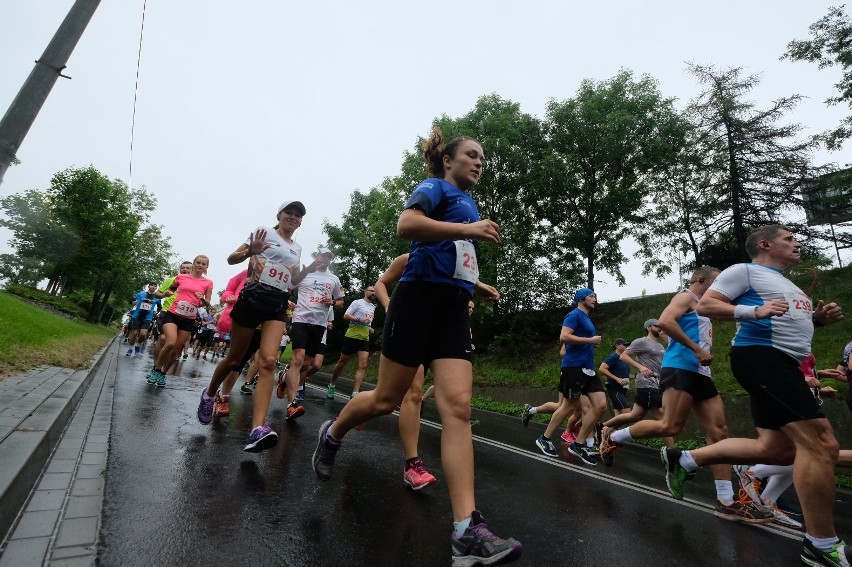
(830, 45)
(754, 164)
(608, 146)
(86, 234)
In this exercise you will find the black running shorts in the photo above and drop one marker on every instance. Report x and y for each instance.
(308, 337)
(699, 386)
(185, 324)
(778, 391)
(427, 321)
(573, 382)
(649, 398)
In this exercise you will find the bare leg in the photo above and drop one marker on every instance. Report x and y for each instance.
(409, 416)
(363, 359)
(270, 339)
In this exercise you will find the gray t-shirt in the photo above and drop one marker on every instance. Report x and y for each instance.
(648, 353)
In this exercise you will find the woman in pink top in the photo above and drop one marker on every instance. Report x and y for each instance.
(191, 291)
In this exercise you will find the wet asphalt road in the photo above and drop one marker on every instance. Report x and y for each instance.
(181, 493)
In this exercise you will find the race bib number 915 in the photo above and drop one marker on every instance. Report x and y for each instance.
(276, 275)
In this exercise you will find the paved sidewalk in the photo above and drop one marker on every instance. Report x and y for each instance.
(54, 438)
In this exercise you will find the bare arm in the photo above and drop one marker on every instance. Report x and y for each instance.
(604, 368)
(413, 224)
(718, 307)
(390, 277)
(680, 304)
(646, 372)
(485, 291)
(567, 336)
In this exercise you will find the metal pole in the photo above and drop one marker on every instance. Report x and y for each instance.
(836, 248)
(27, 104)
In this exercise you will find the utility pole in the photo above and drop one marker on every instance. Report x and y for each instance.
(27, 104)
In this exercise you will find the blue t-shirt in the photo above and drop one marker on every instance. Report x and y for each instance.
(579, 356)
(145, 304)
(436, 261)
(617, 367)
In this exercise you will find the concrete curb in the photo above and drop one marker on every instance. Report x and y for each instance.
(34, 410)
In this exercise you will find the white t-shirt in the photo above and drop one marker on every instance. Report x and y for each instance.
(272, 267)
(312, 290)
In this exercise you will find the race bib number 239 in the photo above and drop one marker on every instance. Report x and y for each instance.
(466, 267)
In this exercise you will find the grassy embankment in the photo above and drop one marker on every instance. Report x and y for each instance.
(31, 336)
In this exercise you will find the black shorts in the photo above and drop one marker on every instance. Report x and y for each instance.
(573, 383)
(351, 346)
(427, 321)
(139, 324)
(205, 337)
(778, 391)
(185, 324)
(306, 336)
(649, 398)
(247, 316)
(699, 386)
(618, 396)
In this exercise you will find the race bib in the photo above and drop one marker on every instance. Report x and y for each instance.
(276, 275)
(186, 309)
(145, 306)
(211, 326)
(800, 306)
(316, 299)
(589, 371)
(466, 267)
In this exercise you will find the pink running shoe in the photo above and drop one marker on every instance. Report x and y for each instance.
(417, 477)
(220, 405)
(568, 436)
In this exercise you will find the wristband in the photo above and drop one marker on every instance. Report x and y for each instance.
(745, 312)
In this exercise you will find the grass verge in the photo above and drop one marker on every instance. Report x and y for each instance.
(30, 337)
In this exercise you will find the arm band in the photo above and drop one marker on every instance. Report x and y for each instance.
(745, 312)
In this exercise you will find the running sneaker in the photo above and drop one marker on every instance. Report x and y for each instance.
(568, 436)
(526, 416)
(607, 447)
(748, 482)
(546, 446)
(300, 394)
(129, 352)
(152, 377)
(416, 477)
(790, 510)
(220, 405)
(185, 356)
(743, 510)
(782, 519)
(840, 554)
(324, 454)
(579, 451)
(329, 393)
(479, 546)
(161, 380)
(281, 390)
(294, 411)
(246, 389)
(676, 475)
(260, 439)
(205, 407)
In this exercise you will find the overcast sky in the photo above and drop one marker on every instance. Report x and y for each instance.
(242, 105)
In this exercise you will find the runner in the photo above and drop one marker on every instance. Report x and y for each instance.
(427, 324)
(617, 374)
(274, 258)
(578, 377)
(648, 352)
(414, 473)
(316, 293)
(145, 303)
(775, 325)
(190, 291)
(357, 340)
(167, 300)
